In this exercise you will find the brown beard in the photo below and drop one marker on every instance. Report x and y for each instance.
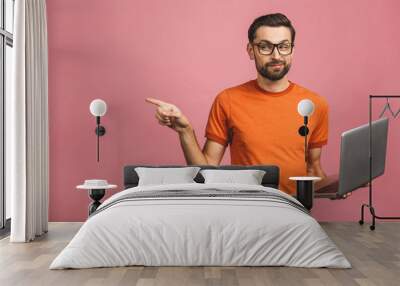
(263, 70)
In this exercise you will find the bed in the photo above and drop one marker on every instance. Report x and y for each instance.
(201, 224)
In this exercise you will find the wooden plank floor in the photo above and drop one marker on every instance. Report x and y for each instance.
(375, 257)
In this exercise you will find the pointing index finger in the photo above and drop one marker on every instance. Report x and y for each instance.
(155, 101)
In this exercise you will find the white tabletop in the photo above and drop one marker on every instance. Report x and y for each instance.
(305, 178)
(85, 187)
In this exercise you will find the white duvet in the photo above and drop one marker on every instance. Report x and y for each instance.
(185, 231)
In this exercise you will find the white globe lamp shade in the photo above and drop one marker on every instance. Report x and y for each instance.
(305, 107)
(98, 107)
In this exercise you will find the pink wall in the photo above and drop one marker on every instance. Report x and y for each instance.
(185, 52)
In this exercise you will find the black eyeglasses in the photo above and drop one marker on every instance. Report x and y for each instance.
(267, 48)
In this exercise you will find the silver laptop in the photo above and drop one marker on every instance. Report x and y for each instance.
(354, 160)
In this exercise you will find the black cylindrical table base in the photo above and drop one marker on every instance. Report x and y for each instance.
(305, 193)
(96, 195)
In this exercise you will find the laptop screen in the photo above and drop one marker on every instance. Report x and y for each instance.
(354, 169)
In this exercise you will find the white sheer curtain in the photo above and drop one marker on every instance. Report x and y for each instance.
(27, 124)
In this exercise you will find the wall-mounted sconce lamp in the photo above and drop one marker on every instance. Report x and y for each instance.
(305, 108)
(98, 108)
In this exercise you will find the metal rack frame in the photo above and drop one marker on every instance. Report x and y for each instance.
(370, 205)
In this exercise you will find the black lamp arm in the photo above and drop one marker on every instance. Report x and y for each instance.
(100, 131)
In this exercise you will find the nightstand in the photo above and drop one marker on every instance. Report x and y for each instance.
(97, 189)
(305, 190)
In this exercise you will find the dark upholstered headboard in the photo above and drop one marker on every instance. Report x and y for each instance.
(270, 179)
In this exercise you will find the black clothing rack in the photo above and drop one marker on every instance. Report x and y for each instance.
(370, 205)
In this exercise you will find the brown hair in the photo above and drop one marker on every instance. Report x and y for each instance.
(270, 20)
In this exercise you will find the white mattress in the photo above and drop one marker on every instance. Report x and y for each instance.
(183, 231)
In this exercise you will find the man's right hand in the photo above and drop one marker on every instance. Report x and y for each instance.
(169, 115)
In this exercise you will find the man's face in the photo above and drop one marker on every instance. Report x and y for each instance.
(276, 65)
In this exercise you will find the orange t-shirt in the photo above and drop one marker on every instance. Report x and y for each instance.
(262, 127)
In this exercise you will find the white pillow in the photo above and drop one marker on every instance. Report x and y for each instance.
(162, 176)
(249, 176)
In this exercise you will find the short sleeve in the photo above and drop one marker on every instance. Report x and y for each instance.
(319, 136)
(217, 125)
